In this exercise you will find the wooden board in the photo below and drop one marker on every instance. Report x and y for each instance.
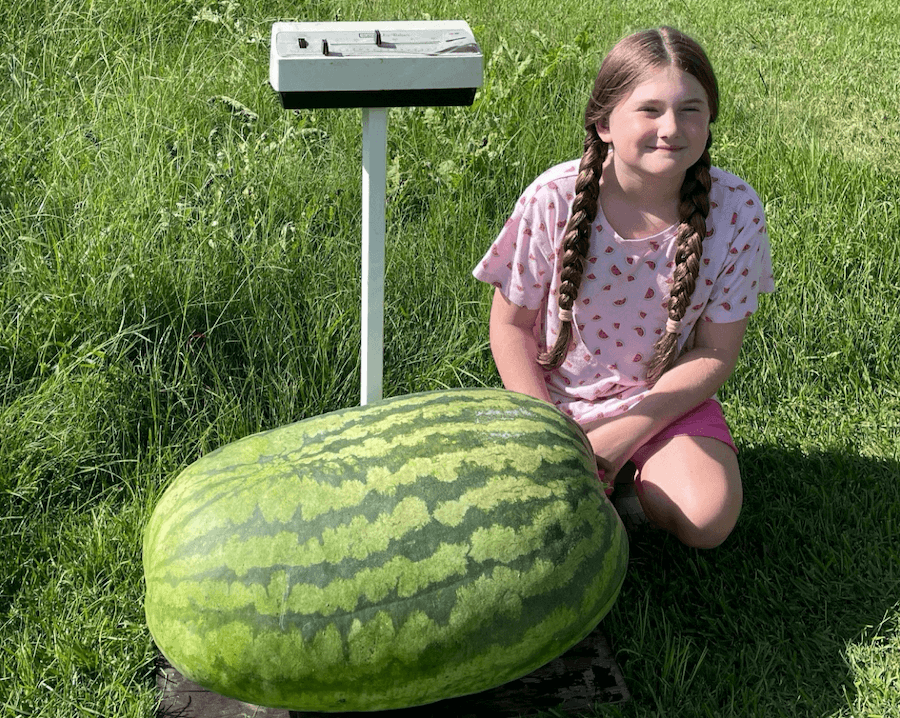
(584, 675)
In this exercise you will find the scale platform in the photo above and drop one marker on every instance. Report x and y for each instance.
(374, 64)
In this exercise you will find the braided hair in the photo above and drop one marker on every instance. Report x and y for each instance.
(627, 64)
(693, 210)
(576, 242)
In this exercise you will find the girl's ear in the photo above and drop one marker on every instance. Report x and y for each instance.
(603, 132)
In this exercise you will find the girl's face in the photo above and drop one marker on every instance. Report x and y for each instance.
(660, 129)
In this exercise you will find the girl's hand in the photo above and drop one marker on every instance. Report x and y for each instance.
(607, 476)
(614, 442)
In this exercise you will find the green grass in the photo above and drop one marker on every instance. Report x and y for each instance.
(180, 268)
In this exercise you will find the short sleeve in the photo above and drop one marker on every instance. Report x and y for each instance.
(747, 269)
(521, 259)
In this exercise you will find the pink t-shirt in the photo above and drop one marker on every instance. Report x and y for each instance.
(621, 307)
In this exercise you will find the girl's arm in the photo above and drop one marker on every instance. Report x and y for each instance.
(697, 375)
(514, 347)
(694, 378)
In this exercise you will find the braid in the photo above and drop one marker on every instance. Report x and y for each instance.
(576, 242)
(693, 211)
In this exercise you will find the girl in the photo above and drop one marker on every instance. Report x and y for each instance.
(623, 285)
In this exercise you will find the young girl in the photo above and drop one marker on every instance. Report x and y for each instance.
(624, 282)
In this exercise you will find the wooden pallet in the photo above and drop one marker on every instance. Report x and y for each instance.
(584, 675)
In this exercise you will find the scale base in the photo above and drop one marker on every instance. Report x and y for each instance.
(378, 98)
(574, 682)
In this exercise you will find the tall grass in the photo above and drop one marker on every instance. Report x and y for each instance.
(180, 268)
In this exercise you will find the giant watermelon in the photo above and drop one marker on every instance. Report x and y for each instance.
(386, 556)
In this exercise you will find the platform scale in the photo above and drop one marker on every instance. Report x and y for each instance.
(375, 66)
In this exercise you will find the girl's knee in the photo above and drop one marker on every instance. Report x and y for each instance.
(712, 519)
(706, 536)
(700, 521)
(701, 502)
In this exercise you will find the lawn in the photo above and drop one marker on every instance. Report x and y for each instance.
(180, 267)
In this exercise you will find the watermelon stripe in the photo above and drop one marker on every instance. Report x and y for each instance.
(386, 440)
(319, 497)
(357, 539)
(362, 642)
(399, 412)
(397, 418)
(497, 544)
(504, 490)
(372, 585)
(204, 551)
(393, 436)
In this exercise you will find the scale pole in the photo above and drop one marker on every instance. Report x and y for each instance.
(374, 181)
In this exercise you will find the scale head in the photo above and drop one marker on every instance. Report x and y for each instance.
(374, 64)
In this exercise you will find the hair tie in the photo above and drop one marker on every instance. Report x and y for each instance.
(565, 315)
(673, 326)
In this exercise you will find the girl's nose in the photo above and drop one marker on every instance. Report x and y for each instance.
(668, 124)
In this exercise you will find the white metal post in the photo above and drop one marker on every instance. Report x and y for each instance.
(374, 180)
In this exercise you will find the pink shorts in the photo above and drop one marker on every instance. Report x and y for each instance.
(706, 419)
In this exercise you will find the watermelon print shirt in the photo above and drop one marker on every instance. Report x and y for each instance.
(621, 307)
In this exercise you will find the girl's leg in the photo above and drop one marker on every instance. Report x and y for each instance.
(691, 487)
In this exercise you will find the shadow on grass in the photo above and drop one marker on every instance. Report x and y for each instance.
(761, 625)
